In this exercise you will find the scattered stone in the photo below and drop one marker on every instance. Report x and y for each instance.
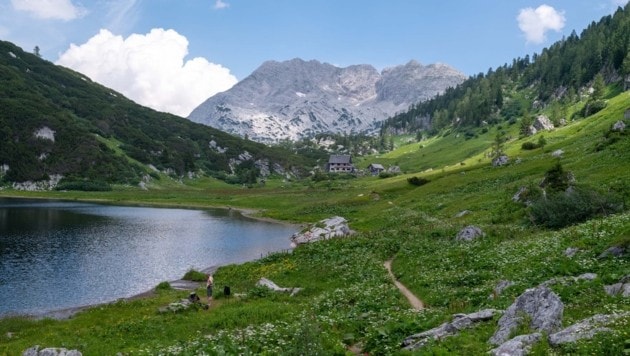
(462, 213)
(459, 323)
(501, 286)
(143, 186)
(323, 230)
(557, 153)
(565, 280)
(264, 282)
(540, 304)
(469, 233)
(502, 160)
(615, 251)
(619, 126)
(571, 251)
(584, 329)
(50, 351)
(518, 346)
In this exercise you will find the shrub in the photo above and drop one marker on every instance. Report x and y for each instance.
(417, 181)
(560, 209)
(195, 276)
(529, 146)
(163, 286)
(386, 175)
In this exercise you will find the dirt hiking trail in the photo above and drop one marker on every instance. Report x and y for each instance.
(416, 303)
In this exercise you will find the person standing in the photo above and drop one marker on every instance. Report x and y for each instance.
(209, 285)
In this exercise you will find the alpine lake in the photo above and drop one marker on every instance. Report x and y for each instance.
(57, 254)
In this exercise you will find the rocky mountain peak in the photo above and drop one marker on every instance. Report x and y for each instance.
(297, 98)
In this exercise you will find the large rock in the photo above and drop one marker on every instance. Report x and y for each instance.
(539, 304)
(469, 233)
(459, 323)
(267, 283)
(50, 351)
(584, 329)
(619, 126)
(542, 122)
(502, 160)
(518, 346)
(622, 287)
(323, 230)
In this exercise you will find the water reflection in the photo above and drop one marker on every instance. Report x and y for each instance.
(65, 254)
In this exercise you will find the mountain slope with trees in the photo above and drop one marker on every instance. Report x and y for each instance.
(54, 121)
(556, 77)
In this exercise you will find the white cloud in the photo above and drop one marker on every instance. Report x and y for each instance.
(150, 69)
(219, 4)
(50, 9)
(536, 22)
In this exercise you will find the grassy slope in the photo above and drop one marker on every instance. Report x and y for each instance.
(347, 298)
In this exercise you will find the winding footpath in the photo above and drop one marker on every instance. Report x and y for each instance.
(416, 303)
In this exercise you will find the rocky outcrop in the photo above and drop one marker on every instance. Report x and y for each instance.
(469, 233)
(619, 126)
(614, 251)
(571, 251)
(541, 305)
(518, 346)
(50, 351)
(323, 230)
(620, 288)
(39, 185)
(584, 329)
(267, 283)
(459, 323)
(502, 160)
(296, 99)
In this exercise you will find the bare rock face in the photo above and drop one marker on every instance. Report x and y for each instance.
(540, 304)
(296, 99)
(502, 160)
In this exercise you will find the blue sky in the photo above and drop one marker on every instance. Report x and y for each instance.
(127, 45)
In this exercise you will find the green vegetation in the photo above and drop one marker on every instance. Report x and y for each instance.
(348, 304)
(97, 134)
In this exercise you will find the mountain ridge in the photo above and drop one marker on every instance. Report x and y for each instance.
(295, 99)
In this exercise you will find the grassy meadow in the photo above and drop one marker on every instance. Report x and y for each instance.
(348, 304)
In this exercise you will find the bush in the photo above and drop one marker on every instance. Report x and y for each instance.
(593, 107)
(163, 286)
(417, 181)
(386, 175)
(529, 146)
(560, 209)
(195, 276)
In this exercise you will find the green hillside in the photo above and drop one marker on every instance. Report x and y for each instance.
(576, 200)
(99, 135)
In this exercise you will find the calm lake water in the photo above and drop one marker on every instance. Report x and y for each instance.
(56, 254)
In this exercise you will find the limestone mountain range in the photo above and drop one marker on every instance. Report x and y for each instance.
(296, 98)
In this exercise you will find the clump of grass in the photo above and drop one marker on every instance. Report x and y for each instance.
(163, 286)
(195, 276)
